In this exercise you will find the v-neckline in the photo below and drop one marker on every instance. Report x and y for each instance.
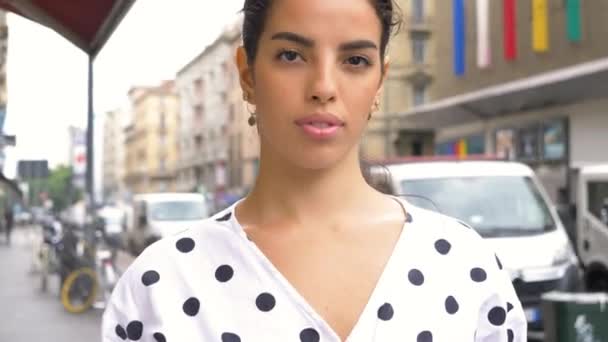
(303, 303)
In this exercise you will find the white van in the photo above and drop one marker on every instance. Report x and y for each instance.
(592, 225)
(506, 204)
(157, 215)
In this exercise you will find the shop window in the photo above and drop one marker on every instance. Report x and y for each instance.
(528, 143)
(554, 140)
(418, 11)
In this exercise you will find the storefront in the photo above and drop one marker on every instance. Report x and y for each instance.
(554, 122)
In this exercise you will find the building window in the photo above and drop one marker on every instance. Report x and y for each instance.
(198, 112)
(419, 94)
(418, 11)
(162, 165)
(418, 49)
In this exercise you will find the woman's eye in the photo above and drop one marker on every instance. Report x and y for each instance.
(289, 56)
(357, 61)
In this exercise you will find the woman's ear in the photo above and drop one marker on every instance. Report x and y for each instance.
(385, 68)
(245, 74)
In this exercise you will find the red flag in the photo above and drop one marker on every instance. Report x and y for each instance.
(510, 33)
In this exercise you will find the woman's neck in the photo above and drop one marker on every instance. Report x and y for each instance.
(284, 191)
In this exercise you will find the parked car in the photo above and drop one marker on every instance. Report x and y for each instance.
(507, 205)
(155, 216)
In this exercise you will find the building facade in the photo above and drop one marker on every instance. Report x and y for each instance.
(114, 155)
(539, 97)
(410, 82)
(203, 86)
(151, 139)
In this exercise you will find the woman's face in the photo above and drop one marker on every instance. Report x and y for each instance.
(315, 79)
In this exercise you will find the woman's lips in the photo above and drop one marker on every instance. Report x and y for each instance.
(320, 126)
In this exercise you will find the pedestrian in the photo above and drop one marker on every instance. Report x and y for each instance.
(604, 211)
(313, 253)
(8, 223)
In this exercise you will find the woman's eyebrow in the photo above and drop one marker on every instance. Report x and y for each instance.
(294, 37)
(358, 44)
(307, 42)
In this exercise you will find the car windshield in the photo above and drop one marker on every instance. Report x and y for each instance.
(494, 206)
(177, 211)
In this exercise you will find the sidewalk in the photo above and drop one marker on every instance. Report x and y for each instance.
(28, 315)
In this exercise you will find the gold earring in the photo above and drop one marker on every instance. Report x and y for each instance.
(251, 121)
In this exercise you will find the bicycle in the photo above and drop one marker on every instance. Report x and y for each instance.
(96, 272)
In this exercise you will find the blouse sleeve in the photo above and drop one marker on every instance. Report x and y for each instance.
(120, 314)
(501, 316)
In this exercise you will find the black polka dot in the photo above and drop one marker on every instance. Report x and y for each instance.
(510, 335)
(159, 337)
(509, 306)
(425, 336)
(230, 337)
(309, 335)
(478, 275)
(498, 262)
(191, 306)
(442, 246)
(416, 277)
(497, 316)
(225, 217)
(224, 273)
(120, 331)
(150, 277)
(185, 245)
(265, 302)
(451, 305)
(408, 218)
(134, 330)
(386, 312)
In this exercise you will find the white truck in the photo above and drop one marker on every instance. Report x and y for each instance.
(592, 225)
(507, 205)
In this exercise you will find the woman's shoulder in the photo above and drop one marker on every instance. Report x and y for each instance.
(449, 236)
(217, 234)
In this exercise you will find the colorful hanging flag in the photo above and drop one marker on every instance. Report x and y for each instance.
(483, 34)
(573, 20)
(462, 148)
(459, 37)
(540, 26)
(509, 29)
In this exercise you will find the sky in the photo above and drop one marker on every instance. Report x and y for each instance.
(47, 75)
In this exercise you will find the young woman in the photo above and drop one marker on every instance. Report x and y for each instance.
(314, 253)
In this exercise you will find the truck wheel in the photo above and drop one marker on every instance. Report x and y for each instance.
(597, 281)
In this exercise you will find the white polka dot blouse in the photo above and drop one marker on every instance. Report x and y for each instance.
(212, 284)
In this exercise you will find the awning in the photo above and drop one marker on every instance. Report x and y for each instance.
(559, 87)
(87, 24)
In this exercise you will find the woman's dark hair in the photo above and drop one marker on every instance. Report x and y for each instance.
(256, 12)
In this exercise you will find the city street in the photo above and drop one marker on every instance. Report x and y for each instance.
(26, 314)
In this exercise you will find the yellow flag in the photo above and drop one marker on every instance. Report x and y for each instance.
(540, 25)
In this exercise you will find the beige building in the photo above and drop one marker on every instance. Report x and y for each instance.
(203, 86)
(114, 155)
(151, 139)
(410, 82)
(547, 109)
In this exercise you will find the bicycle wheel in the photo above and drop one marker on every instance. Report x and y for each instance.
(79, 290)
